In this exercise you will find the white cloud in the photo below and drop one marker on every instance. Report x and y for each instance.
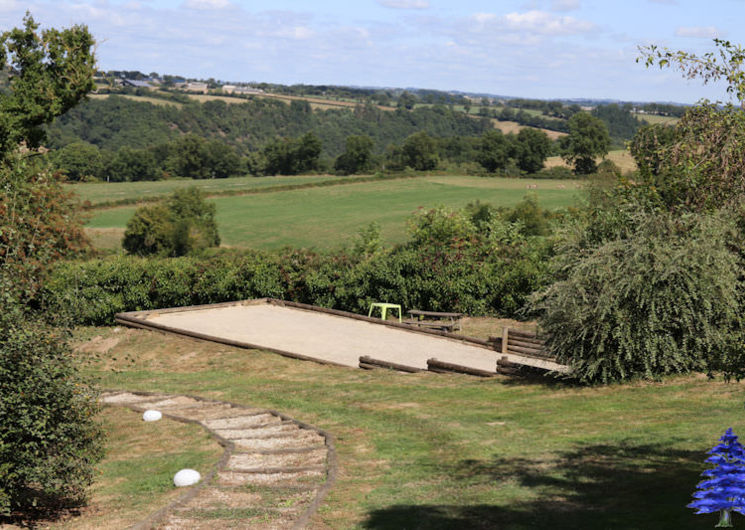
(405, 4)
(698, 32)
(206, 4)
(545, 23)
(565, 5)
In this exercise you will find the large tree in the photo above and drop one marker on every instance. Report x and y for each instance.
(49, 441)
(50, 72)
(587, 140)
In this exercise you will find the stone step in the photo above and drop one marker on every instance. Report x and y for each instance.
(169, 402)
(311, 476)
(127, 398)
(302, 439)
(272, 430)
(243, 422)
(316, 457)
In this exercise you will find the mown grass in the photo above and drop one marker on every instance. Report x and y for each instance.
(328, 217)
(107, 192)
(136, 476)
(446, 451)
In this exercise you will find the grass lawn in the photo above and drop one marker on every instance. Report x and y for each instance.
(328, 217)
(104, 192)
(136, 476)
(436, 451)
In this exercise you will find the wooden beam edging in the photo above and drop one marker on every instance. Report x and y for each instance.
(158, 516)
(377, 363)
(434, 365)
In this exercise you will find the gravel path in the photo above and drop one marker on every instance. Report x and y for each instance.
(273, 475)
(331, 338)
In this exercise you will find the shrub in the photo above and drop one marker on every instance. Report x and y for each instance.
(49, 441)
(184, 223)
(663, 300)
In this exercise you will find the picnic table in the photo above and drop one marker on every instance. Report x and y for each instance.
(435, 319)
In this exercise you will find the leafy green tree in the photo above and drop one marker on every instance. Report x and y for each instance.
(357, 157)
(130, 165)
(648, 147)
(51, 71)
(727, 63)
(704, 165)
(49, 441)
(182, 224)
(532, 147)
(587, 140)
(292, 156)
(80, 161)
(419, 151)
(663, 300)
(406, 101)
(494, 151)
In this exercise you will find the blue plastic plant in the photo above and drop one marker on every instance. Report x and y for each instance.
(723, 490)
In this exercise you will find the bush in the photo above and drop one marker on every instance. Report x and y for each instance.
(183, 224)
(49, 441)
(663, 300)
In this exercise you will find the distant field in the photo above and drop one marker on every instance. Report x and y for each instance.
(98, 193)
(326, 218)
(653, 118)
(143, 99)
(620, 157)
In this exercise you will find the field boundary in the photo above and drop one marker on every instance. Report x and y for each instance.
(87, 206)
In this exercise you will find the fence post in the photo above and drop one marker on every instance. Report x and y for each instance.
(505, 335)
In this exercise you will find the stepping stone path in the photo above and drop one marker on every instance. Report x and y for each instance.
(274, 473)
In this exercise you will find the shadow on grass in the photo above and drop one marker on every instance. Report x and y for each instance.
(619, 486)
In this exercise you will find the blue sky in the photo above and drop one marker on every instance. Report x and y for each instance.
(526, 48)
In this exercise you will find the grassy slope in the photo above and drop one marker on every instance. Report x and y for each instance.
(327, 217)
(444, 451)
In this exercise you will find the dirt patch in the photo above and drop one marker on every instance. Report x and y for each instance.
(99, 344)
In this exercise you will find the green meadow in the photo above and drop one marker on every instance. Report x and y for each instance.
(327, 217)
(107, 192)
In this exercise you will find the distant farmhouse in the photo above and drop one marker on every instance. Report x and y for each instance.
(236, 89)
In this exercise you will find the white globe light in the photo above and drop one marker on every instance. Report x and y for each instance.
(152, 415)
(186, 477)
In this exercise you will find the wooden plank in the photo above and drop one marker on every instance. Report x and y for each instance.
(440, 314)
(524, 334)
(527, 343)
(514, 350)
(369, 363)
(526, 349)
(442, 367)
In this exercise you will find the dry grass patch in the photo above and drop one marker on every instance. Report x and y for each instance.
(621, 157)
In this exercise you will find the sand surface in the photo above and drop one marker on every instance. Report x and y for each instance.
(331, 338)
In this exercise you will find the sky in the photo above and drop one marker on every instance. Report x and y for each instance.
(524, 48)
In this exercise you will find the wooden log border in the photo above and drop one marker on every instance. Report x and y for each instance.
(368, 363)
(433, 365)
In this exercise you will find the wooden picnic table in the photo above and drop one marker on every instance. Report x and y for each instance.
(444, 321)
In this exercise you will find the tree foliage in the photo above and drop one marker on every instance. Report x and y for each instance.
(49, 439)
(51, 71)
(588, 139)
(182, 224)
(664, 299)
(357, 156)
